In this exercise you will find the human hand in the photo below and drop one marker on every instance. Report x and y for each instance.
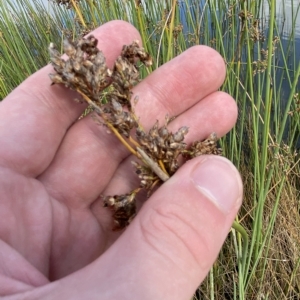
(56, 237)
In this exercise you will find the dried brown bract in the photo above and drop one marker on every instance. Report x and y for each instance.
(163, 146)
(84, 70)
(208, 146)
(109, 92)
(148, 178)
(123, 207)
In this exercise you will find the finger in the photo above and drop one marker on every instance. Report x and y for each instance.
(35, 117)
(181, 83)
(216, 113)
(16, 273)
(173, 242)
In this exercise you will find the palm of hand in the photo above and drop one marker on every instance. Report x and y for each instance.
(54, 237)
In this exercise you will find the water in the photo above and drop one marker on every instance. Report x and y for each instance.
(287, 17)
(287, 20)
(286, 12)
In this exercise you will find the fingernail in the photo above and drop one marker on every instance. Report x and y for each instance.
(219, 181)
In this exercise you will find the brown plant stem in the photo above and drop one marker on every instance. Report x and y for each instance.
(134, 142)
(153, 165)
(162, 166)
(78, 13)
(110, 126)
(118, 135)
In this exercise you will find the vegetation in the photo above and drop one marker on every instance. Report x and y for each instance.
(262, 75)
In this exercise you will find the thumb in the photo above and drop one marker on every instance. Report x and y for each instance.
(168, 249)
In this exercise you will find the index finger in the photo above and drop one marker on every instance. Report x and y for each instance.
(35, 116)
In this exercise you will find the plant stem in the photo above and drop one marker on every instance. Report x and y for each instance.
(239, 228)
(110, 126)
(153, 165)
(118, 135)
(162, 166)
(170, 44)
(78, 13)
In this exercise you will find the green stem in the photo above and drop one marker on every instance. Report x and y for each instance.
(170, 44)
(240, 229)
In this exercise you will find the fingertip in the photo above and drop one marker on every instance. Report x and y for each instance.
(230, 110)
(217, 179)
(209, 61)
(219, 113)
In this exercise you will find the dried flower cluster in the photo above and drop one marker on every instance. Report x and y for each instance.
(67, 3)
(109, 93)
(296, 109)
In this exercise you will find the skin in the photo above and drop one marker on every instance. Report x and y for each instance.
(56, 238)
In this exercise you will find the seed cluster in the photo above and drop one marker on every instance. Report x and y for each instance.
(109, 92)
(85, 69)
(163, 145)
(208, 146)
(124, 208)
(67, 3)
